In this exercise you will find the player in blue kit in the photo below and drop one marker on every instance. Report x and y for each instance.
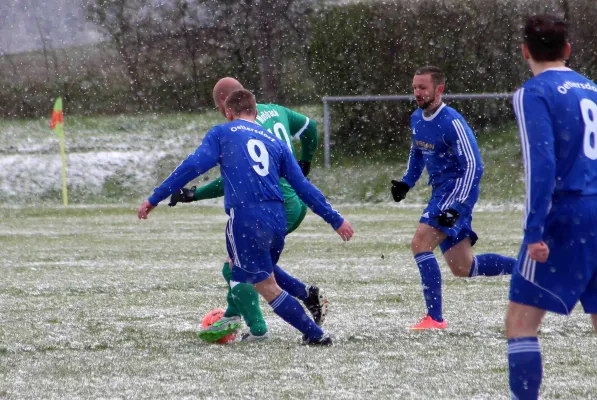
(443, 143)
(556, 112)
(252, 161)
(242, 299)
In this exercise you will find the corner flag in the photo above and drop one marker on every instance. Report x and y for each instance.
(57, 126)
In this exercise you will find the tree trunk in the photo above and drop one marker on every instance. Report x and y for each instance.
(269, 66)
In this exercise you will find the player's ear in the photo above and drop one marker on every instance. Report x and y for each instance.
(439, 89)
(525, 51)
(255, 113)
(567, 51)
(229, 114)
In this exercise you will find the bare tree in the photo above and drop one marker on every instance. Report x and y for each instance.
(265, 32)
(43, 24)
(122, 21)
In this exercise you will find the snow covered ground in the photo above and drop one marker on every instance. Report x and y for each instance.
(96, 304)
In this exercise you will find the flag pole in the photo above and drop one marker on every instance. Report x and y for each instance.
(57, 126)
(63, 154)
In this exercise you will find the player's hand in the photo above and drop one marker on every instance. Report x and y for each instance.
(184, 195)
(538, 251)
(345, 231)
(305, 167)
(399, 190)
(144, 209)
(448, 218)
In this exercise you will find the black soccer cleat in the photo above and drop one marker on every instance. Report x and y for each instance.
(317, 304)
(324, 340)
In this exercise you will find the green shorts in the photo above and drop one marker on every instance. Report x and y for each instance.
(295, 213)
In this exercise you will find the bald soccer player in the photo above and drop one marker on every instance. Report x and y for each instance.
(242, 299)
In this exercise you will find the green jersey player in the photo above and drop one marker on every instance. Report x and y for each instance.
(242, 298)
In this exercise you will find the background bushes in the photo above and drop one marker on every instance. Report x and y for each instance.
(168, 58)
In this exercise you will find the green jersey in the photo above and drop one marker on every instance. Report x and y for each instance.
(288, 126)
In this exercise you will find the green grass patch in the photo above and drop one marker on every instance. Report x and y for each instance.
(98, 304)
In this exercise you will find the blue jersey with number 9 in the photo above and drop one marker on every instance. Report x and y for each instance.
(557, 119)
(252, 161)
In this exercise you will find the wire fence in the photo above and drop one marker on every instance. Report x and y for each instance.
(358, 99)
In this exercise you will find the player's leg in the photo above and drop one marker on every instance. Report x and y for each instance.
(289, 309)
(458, 253)
(462, 263)
(425, 240)
(460, 257)
(491, 264)
(311, 336)
(246, 300)
(589, 298)
(556, 286)
(231, 308)
(242, 300)
(255, 240)
(230, 322)
(524, 353)
(311, 296)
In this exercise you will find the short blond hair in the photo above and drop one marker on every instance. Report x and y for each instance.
(241, 102)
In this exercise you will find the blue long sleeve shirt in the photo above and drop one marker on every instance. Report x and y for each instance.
(252, 161)
(556, 113)
(445, 145)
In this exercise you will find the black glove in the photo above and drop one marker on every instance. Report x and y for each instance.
(305, 167)
(399, 190)
(448, 218)
(184, 195)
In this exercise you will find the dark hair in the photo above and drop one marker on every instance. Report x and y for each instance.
(437, 76)
(546, 37)
(241, 102)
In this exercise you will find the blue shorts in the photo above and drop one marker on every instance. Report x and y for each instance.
(461, 230)
(255, 239)
(570, 273)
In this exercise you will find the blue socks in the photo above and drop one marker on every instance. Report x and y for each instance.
(287, 282)
(524, 361)
(290, 310)
(491, 265)
(431, 279)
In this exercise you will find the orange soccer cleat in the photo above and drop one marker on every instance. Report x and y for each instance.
(429, 323)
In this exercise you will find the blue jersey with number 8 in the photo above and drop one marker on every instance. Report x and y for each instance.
(557, 119)
(252, 161)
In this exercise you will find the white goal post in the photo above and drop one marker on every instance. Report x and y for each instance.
(358, 99)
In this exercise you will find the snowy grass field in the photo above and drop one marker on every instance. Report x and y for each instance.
(116, 159)
(96, 304)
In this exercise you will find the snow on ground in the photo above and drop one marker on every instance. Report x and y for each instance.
(96, 304)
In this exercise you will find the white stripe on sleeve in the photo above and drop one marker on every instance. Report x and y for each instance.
(469, 175)
(300, 132)
(526, 157)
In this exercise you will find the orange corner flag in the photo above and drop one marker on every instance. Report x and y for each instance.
(57, 122)
(57, 126)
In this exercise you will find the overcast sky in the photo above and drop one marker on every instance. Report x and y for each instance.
(63, 21)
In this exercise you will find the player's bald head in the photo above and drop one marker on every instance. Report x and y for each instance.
(222, 89)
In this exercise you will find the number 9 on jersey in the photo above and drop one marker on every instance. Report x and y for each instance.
(262, 159)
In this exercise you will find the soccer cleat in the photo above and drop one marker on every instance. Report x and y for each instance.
(249, 337)
(222, 327)
(429, 323)
(317, 304)
(324, 340)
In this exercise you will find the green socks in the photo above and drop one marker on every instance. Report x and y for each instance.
(243, 299)
(231, 310)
